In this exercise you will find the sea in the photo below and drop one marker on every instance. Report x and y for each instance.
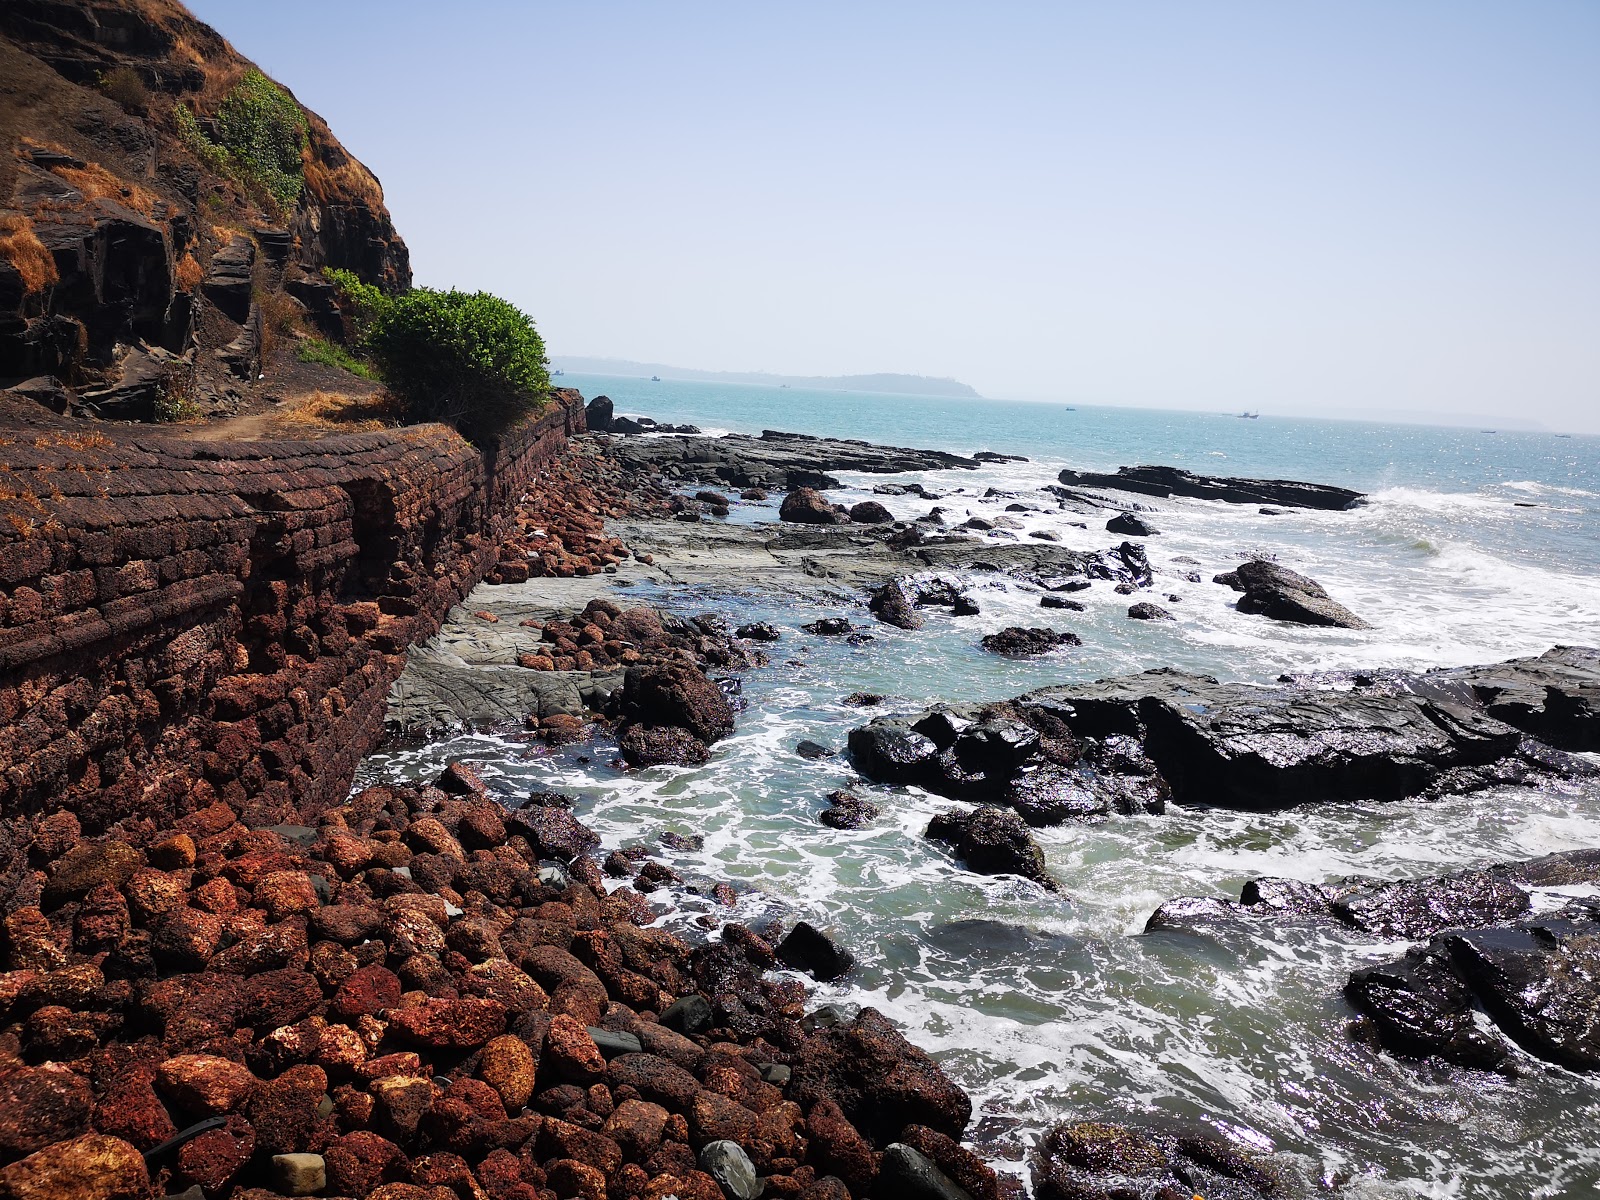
(1476, 545)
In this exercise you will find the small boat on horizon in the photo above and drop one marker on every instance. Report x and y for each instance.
(655, 379)
(1250, 416)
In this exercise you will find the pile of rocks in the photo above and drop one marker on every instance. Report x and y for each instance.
(604, 634)
(426, 997)
(560, 522)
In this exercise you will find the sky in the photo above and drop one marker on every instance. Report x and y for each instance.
(1314, 208)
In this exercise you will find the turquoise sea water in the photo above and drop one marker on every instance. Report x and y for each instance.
(1474, 547)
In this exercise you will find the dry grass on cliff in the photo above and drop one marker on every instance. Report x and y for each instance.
(21, 247)
(188, 273)
(342, 412)
(95, 182)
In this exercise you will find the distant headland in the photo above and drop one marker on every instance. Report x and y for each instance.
(914, 385)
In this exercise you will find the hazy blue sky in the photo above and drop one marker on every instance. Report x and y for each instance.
(1298, 207)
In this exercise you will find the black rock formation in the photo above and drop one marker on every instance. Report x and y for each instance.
(1172, 481)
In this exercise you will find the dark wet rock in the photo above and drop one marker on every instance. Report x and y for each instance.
(1145, 611)
(807, 507)
(1172, 481)
(1284, 595)
(678, 696)
(1136, 562)
(1239, 745)
(812, 750)
(805, 477)
(1016, 641)
(1092, 1160)
(1555, 697)
(848, 811)
(895, 604)
(992, 841)
(862, 699)
(829, 627)
(689, 1014)
(880, 1081)
(1422, 1008)
(1052, 601)
(870, 512)
(662, 745)
(808, 949)
(1131, 526)
(908, 1172)
(1422, 907)
(760, 631)
(598, 414)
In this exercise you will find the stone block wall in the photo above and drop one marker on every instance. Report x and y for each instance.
(183, 621)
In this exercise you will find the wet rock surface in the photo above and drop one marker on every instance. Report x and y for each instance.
(1091, 1160)
(1018, 642)
(1241, 746)
(1284, 595)
(993, 841)
(1173, 481)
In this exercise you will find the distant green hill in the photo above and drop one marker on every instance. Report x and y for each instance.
(913, 385)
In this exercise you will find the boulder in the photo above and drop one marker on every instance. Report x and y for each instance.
(870, 512)
(808, 949)
(1145, 611)
(1131, 525)
(908, 1172)
(678, 696)
(894, 604)
(1538, 979)
(597, 414)
(992, 841)
(1017, 642)
(1284, 595)
(92, 1167)
(806, 506)
(730, 1166)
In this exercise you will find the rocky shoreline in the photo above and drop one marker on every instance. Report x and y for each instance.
(444, 992)
(1136, 744)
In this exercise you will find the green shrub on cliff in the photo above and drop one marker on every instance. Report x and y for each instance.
(467, 359)
(261, 134)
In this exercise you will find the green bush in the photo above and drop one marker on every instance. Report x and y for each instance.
(468, 359)
(261, 134)
(331, 354)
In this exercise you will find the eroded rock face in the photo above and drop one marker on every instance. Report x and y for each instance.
(1284, 595)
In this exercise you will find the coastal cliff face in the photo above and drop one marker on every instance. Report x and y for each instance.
(140, 265)
(183, 621)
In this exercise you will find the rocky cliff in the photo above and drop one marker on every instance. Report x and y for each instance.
(165, 215)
